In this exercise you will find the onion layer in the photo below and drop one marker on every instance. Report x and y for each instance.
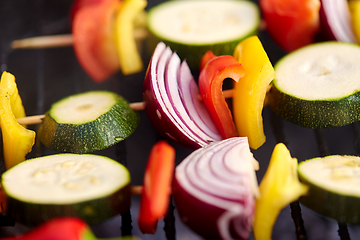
(172, 104)
(214, 189)
(336, 21)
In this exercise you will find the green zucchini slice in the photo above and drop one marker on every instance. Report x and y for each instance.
(334, 186)
(91, 187)
(193, 27)
(87, 122)
(318, 86)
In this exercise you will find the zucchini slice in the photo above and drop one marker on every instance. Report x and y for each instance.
(87, 122)
(318, 86)
(91, 187)
(334, 186)
(193, 27)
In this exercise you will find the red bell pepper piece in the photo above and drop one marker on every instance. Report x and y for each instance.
(211, 78)
(2, 199)
(291, 23)
(68, 228)
(94, 39)
(78, 4)
(206, 58)
(156, 186)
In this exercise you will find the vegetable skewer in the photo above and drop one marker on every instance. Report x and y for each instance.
(136, 106)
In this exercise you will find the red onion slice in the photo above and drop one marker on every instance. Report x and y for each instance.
(155, 108)
(164, 105)
(217, 199)
(189, 94)
(335, 21)
(179, 112)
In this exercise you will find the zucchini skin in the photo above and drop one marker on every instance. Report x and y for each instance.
(344, 209)
(92, 212)
(313, 113)
(108, 129)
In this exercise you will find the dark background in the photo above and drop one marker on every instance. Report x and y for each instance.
(47, 75)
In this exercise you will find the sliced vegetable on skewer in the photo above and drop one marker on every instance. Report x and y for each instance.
(167, 109)
(103, 33)
(169, 82)
(17, 140)
(250, 91)
(193, 27)
(129, 56)
(87, 122)
(321, 91)
(279, 187)
(68, 228)
(189, 27)
(214, 190)
(333, 186)
(211, 78)
(157, 187)
(336, 21)
(294, 24)
(90, 187)
(354, 7)
(291, 23)
(94, 39)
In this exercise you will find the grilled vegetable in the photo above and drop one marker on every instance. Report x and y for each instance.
(354, 7)
(279, 187)
(17, 140)
(58, 229)
(172, 101)
(291, 23)
(87, 122)
(193, 27)
(336, 21)
(68, 228)
(211, 78)
(103, 33)
(90, 187)
(214, 189)
(94, 39)
(157, 186)
(317, 86)
(250, 90)
(129, 56)
(333, 186)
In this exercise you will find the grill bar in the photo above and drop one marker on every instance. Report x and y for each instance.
(324, 151)
(169, 227)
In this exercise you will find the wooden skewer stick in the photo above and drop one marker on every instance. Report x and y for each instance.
(136, 106)
(136, 190)
(64, 40)
(44, 42)
(31, 120)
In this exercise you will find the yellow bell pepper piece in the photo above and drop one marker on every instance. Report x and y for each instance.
(17, 140)
(279, 187)
(129, 56)
(354, 7)
(250, 90)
